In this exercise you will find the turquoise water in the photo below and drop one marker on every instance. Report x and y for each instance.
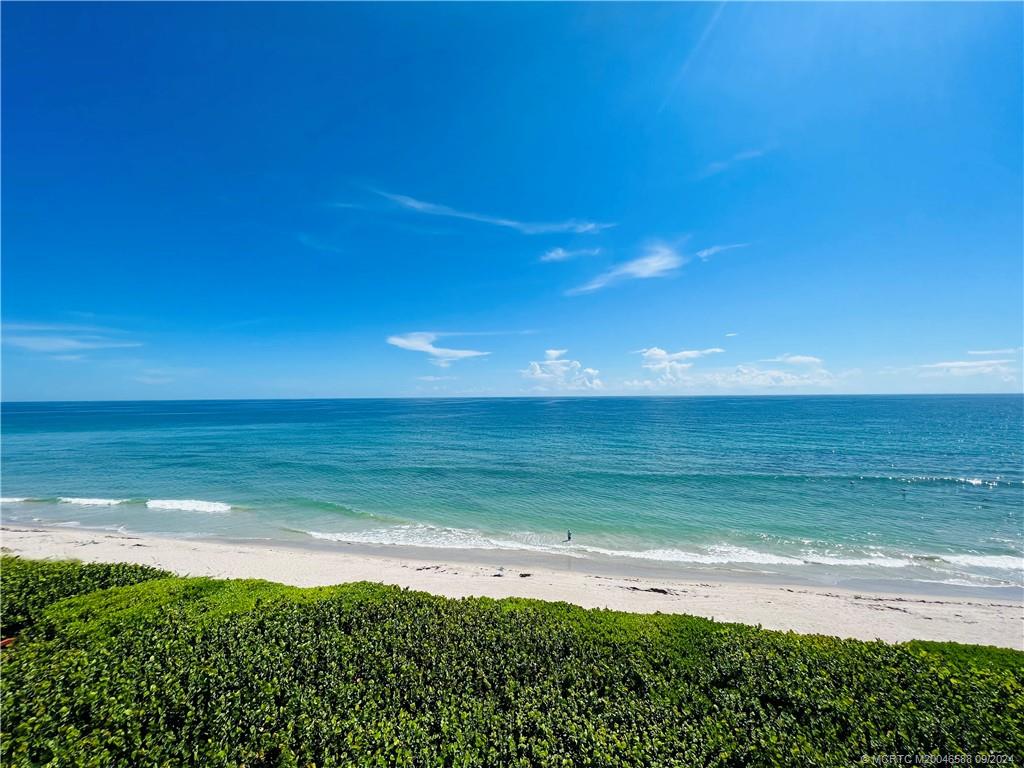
(919, 488)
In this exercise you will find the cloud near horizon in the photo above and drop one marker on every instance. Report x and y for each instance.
(659, 260)
(741, 377)
(555, 372)
(423, 341)
(575, 226)
(1005, 351)
(968, 368)
(673, 371)
(669, 366)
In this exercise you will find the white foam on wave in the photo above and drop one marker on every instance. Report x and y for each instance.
(976, 482)
(1002, 562)
(996, 584)
(716, 555)
(188, 505)
(91, 502)
(879, 561)
(12, 500)
(456, 538)
(437, 537)
(434, 537)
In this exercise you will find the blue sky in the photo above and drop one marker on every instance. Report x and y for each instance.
(316, 200)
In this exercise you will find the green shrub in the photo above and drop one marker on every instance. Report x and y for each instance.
(245, 673)
(986, 656)
(29, 586)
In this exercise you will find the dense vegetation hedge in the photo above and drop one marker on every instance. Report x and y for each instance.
(29, 586)
(214, 673)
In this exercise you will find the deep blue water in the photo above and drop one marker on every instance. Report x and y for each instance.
(918, 487)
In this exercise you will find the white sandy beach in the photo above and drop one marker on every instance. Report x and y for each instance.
(818, 610)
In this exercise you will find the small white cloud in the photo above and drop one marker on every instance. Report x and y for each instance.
(795, 359)
(707, 253)
(730, 335)
(659, 260)
(436, 378)
(423, 341)
(561, 254)
(1006, 351)
(576, 226)
(555, 372)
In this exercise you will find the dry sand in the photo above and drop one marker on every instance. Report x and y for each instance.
(830, 611)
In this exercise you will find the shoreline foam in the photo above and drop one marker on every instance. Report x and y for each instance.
(798, 607)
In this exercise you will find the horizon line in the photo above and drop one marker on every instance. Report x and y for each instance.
(560, 396)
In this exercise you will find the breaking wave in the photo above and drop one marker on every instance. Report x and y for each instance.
(85, 502)
(437, 537)
(188, 505)
(1002, 562)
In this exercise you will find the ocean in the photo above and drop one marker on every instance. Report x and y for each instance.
(901, 490)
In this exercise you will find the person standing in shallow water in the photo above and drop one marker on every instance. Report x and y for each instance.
(568, 535)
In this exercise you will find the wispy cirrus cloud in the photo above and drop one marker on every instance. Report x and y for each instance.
(423, 341)
(657, 354)
(575, 226)
(721, 166)
(659, 260)
(62, 339)
(156, 376)
(794, 359)
(731, 334)
(556, 372)
(561, 254)
(968, 367)
(65, 343)
(1004, 351)
(317, 244)
(56, 328)
(706, 253)
(691, 56)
